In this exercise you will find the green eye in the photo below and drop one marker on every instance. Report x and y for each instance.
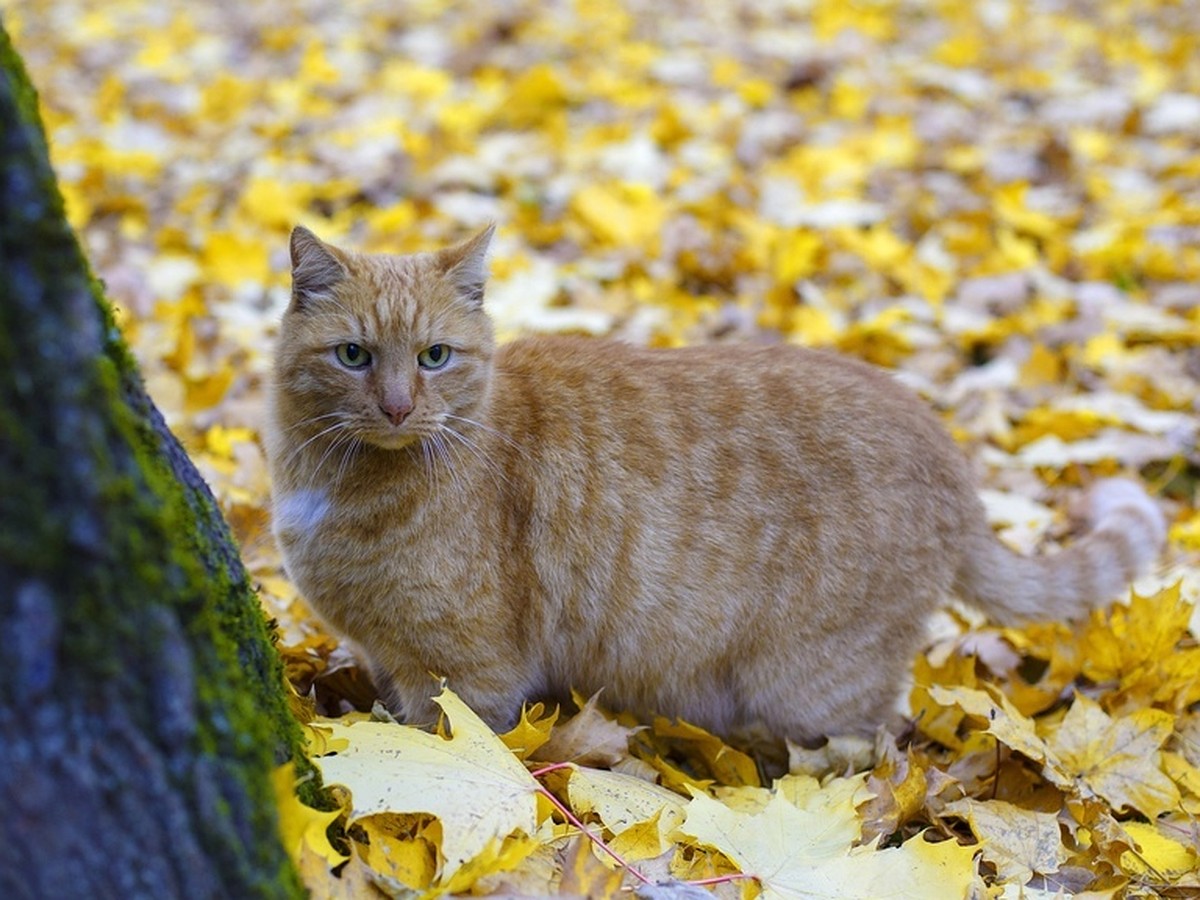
(353, 356)
(434, 357)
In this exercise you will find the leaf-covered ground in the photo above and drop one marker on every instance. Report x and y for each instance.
(999, 200)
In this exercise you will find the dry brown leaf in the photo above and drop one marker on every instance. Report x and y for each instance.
(589, 738)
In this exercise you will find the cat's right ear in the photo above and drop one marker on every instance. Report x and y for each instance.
(317, 268)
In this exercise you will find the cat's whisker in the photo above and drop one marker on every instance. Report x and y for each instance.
(435, 472)
(452, 450)
(443, 450)
(430, 476)
(453, 463)
(354, 444)
(488, 428)
(337, 442)
(320, 434)
(313, 421)
(493, 469)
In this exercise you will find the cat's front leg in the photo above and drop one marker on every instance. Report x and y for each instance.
(411, 700)
(500, 708)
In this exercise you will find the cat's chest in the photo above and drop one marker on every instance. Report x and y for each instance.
(337, 548)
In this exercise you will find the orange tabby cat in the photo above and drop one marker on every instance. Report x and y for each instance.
(739, 536)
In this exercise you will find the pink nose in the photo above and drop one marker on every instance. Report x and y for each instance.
(396, 411)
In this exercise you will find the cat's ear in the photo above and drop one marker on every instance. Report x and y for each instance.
(317, 267)
(466, 265)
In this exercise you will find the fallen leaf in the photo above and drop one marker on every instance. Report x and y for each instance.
(588, 738)
(471, 782)
(302, 829)
(840, 755)
(623, 803)
(402, 848)
(584, 875)
(1018, 842)
(1116, 759)
(793, 852)
(899, 786)
(1004, 721)
(727, 765)
(1156, 854)
(531, 732)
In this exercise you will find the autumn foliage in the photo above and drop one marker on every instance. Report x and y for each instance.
(996, 200)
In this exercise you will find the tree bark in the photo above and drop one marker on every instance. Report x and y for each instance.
(142, 706)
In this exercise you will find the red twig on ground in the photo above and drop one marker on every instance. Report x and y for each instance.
(599, 842)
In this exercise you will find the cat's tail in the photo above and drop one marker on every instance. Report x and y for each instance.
(1127, 533)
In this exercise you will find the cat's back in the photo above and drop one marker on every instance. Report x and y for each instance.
(666, 401)
(692, 451)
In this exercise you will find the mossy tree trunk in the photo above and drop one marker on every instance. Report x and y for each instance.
(141, 702)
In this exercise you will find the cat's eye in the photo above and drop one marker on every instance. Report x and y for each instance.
(434, 357)
(352, 356)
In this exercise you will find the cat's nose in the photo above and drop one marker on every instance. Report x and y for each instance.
(396, 410)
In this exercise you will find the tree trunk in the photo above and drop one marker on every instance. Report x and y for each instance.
(142, 706)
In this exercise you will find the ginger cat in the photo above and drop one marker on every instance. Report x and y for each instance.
(743, 537)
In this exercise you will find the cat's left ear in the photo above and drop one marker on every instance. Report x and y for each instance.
(317, 267)
(466, 264)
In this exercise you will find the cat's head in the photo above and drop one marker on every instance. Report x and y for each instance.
(387, 349)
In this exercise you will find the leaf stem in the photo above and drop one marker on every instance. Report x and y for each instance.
(538, 773)
(574, 820)
(720, 879)
(599, 842)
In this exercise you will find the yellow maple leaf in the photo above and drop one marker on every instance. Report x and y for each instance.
(471, 782)
(1012, 209)
(1139, 646)
(794, 852)
(622, 214)
(727, 765)
(1068, 424)
(302, 828)
(1004, 721)
(1042, 366)
(232, 259)
(1186, 532)
(1125, 637)
(220, 440)
(899, 786)
(624, 803)
(1116, 759)
(1054, 643)
(320, 740)
(1156, 854)
(644, 840)
(1018, 842)
(531, 732)
(497, 856)
(795, 255)
(537, 91)
(274, 204)
(400, 847)
(584, 875)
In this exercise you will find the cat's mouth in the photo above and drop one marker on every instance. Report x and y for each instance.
(387, 439)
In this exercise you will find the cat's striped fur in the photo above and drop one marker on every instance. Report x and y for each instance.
(739, 536)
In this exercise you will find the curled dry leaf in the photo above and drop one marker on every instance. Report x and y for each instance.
(588, 738)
